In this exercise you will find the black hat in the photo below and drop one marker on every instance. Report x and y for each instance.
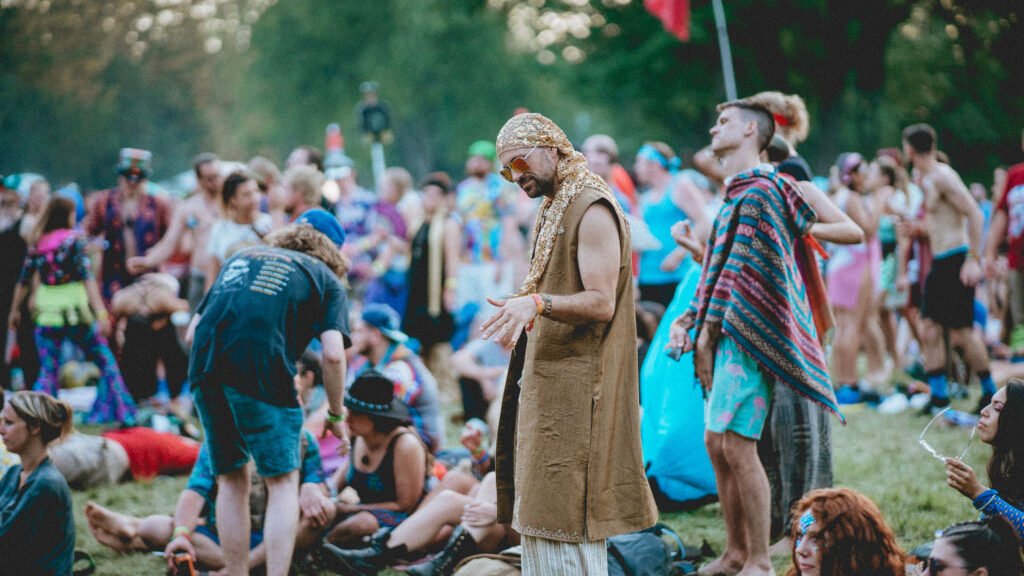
(374, 393)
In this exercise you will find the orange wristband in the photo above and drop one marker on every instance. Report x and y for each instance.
(540, 303)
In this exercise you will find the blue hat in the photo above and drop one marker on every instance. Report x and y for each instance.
(325, 223)
(384, 318)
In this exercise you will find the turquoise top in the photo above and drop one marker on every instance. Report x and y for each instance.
(660, 217)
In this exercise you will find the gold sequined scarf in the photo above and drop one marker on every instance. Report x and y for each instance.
(571, 177)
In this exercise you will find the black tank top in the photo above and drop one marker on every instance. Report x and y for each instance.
(379, 485)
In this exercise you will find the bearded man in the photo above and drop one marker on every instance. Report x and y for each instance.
(569, 466)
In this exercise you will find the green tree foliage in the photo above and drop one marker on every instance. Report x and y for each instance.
(866, 69)
(441, 65)
(79, 79)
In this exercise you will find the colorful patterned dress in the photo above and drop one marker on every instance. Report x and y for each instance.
(63, 313)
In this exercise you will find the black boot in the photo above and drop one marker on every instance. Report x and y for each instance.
(459, 547)
(366, 561)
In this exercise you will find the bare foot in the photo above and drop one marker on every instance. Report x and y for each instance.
(721, 566)
(757, 571)
(119, 525)
(783, 547)
(109, 540)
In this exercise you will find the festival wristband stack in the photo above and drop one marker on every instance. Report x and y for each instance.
(182, 530)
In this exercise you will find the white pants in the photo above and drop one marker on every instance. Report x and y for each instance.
(543, 557)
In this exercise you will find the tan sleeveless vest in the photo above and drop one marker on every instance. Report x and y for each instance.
(569, 464)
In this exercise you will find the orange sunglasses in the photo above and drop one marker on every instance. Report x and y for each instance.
(519, 164)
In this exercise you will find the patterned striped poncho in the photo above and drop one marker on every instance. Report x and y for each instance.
(753, 284)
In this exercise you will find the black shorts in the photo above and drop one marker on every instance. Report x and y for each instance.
(946, 300)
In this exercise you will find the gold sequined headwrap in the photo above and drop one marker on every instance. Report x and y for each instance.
(571, 177)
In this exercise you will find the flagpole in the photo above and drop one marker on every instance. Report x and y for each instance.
(723, 45)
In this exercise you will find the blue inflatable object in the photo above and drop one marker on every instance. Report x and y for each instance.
(672, 425)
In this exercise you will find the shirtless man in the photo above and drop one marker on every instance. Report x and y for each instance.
(953, 228)
(193, 218)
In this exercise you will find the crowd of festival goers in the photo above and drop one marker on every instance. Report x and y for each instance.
(98, 289)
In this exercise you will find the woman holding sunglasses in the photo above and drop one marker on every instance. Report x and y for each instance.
(985, 548)
(1001, 426)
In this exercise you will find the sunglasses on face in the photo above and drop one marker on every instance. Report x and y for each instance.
(936, 566)
(519, 164)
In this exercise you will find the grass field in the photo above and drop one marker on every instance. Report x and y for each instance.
(876, 454)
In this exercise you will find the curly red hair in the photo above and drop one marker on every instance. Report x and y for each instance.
(853, 538)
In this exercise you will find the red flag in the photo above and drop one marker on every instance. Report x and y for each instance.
(674, 16)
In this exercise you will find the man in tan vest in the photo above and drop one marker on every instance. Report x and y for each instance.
(569, 465)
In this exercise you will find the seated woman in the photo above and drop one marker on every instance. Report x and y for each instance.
(37, 528)
(461, 521)
(1001, 426)
(388, 464)
(476, 531)
(985, 548)
(840, 532)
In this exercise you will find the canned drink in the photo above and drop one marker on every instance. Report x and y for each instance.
(674, 353)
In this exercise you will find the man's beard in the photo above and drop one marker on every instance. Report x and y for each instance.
(541, 187)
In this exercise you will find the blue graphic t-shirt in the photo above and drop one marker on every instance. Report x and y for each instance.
(265, 307)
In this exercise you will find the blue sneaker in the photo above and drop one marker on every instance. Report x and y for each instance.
(847, 394)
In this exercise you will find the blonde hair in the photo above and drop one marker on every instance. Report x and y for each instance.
(606, 144)
(264, 169)
(791, 109)
(52, 416)
(400, 179)
(307, 181)
(306, 239)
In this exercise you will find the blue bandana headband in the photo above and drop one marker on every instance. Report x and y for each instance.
(651, 153)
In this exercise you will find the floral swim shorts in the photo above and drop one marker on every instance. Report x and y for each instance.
(740, 393)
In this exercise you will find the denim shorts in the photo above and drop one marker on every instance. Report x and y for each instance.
(239, 426)
(255, 538)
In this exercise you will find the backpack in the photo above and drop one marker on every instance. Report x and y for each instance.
(642, 553)
(646, 553)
